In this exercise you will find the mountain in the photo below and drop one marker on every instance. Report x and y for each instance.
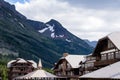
(92, 43)
(53, 29)
(28, 39)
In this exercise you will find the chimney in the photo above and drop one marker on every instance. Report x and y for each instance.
(65, 54)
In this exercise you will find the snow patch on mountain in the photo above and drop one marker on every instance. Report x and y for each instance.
(21, 25)
(53, 35)
(43, 30)
(60, 36)
(51, 28)
(68, 40)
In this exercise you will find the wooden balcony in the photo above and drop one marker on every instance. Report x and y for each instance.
(24, 71)
(90, 68)
(21, 66)
(103, 63)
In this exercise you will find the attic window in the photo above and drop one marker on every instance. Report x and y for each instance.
(110, 45)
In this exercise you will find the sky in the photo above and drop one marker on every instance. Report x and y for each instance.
(87, 19)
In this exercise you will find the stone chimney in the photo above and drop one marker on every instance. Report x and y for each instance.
(65, 54)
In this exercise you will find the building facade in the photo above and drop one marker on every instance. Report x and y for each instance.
(20, 67)
(88, 65)
(106, 52)
(68, 66)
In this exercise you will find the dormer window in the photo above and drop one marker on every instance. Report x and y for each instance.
(60, 67)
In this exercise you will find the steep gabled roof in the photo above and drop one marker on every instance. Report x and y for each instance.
(115, 38)
(37, 74)
(10, 62)
(20, 60)
(111, 71)
(34, 64)
(74, 60)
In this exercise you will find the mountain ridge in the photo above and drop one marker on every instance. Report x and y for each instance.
(20, 35)
(92, 43)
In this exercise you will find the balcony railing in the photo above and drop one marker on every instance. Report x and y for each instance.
(21, 66)
(24, 71)
(105, 62)
(90, 68)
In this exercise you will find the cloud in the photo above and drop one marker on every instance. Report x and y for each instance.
(95, 4)
(83, 22)
(14, 1)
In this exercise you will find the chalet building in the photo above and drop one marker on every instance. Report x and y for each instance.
(20, 67)
(106, 52)
(68, 66)
(38, 74)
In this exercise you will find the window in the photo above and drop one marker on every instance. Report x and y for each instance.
(110, 56)
(117, 55)
(71, 73)
(103, 57)
(59, 67)
(89, 65)
(110, 45)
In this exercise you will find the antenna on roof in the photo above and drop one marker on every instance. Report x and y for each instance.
(39, 64)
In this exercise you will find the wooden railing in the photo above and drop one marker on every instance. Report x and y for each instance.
(90, 68)
(105, 62)
(22, 66)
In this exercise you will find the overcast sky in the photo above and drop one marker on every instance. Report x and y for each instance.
(87, 19)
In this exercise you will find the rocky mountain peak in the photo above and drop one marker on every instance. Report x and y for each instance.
(10, 8)
(7, 5)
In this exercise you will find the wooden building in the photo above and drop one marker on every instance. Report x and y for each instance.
(106, 52)
(39, 74)
(68, 66)
(20, 67)
(88, 64)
